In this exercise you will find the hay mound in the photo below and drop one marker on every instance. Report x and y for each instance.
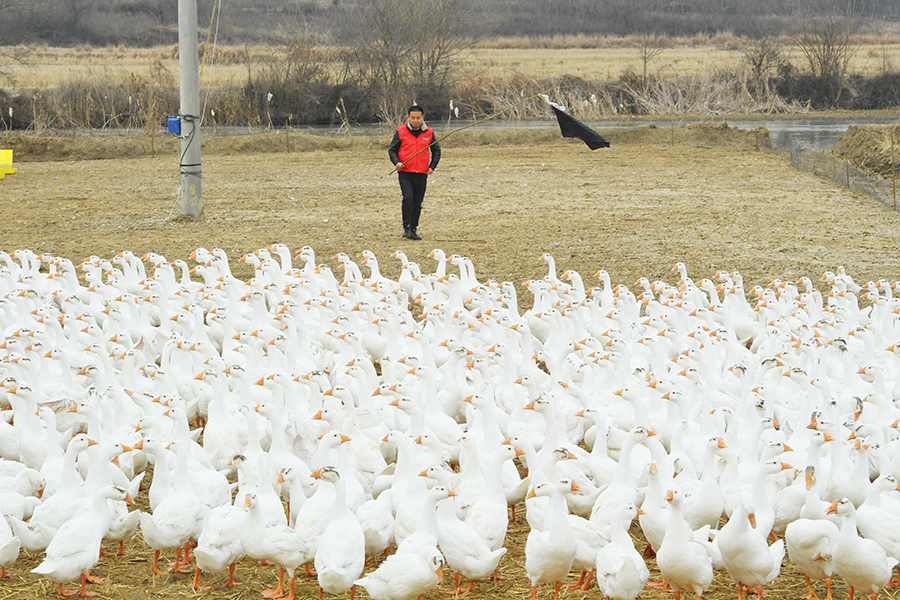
(869, 147)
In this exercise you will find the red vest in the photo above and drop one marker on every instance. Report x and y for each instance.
(410, 144)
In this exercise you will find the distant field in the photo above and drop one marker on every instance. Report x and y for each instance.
(46, 66)
(609, 63)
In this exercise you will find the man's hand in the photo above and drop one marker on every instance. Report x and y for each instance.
(430, 170)
(399, 165)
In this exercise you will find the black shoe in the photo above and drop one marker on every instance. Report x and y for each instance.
(413, 235)
(406, 232)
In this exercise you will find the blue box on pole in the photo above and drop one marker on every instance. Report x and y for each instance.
(174, 125)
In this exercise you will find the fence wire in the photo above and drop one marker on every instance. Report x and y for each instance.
(842, 172)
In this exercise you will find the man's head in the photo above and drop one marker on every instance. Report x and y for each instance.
(415, 116)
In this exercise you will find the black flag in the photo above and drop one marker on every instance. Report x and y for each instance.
(572, 127)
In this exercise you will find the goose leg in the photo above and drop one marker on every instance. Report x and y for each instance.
(533, 592)
(83, 592)
(3, 573)
(290, 595)
(155, 567)
(187, 556)
(850, 592)
(556, 590)
(177, 558)
(196, 583)
(121, 551)
(812, 594)
(578, 583)
(740, 590)
(828, 584)
(587, 582)
(91, 579)
(231, 582)
(455, 586)
(278, 591)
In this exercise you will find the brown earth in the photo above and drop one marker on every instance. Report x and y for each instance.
(711, 200)
(875, 148)
(703, 195)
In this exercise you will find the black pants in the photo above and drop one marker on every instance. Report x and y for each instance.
(412, 186)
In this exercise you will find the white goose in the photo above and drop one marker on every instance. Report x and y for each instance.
(621, 572)
(683, 562)
(745, 554)
(466, 553)
(9, 548)
(219, 545)
(341, 552)
(861, 563)
(278, 544)
(75, 548)
(810, 540)
(404, 576)
(549, 553)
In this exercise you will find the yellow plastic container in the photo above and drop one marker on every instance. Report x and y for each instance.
(6, 159)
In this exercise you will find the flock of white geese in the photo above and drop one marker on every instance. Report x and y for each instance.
(313, 419)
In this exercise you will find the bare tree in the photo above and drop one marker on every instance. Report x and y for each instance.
(76, 11)
(443, 31)
(649, 47)
(409, 45)
(826, 39)
(761, 56)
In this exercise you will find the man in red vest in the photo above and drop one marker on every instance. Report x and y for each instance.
(415, 152)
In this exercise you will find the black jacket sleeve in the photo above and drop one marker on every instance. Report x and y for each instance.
(394, 148)
(435, 153)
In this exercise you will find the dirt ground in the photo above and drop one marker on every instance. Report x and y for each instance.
(711, 200)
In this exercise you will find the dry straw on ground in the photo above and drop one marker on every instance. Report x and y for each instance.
(702, 195)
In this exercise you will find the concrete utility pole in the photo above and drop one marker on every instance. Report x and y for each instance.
(189, 68)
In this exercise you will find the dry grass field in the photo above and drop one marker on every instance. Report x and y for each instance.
(48, 66)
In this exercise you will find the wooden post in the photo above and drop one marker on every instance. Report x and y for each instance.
(893, 170)
(287, 137)
(833, 163)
